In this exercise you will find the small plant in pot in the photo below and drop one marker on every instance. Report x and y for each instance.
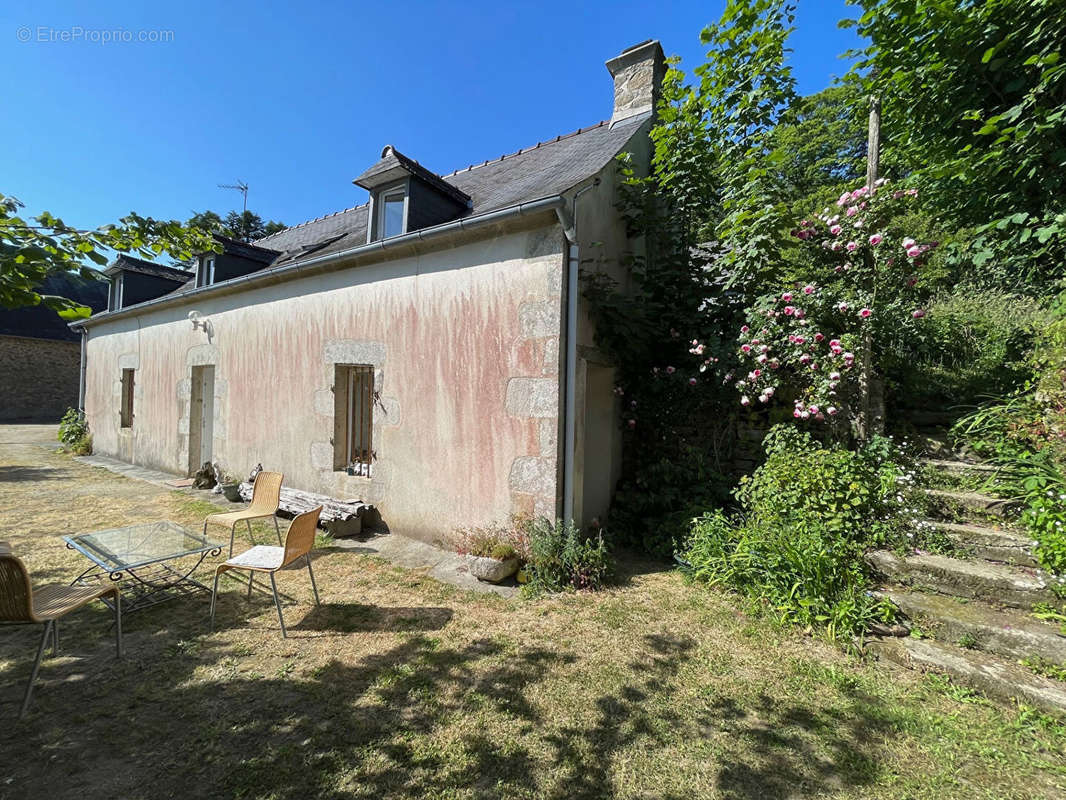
(492, 553)
(231, 487)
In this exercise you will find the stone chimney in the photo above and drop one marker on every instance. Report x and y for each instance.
(638, 75)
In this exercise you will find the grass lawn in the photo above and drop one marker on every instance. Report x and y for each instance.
(402, 687)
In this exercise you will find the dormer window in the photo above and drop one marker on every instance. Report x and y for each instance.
(207, 271)
(407, 197)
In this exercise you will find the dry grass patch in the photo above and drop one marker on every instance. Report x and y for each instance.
(403, 687)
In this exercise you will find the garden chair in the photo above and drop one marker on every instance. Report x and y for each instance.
(21, 604)
(266, 497)
(299, 540)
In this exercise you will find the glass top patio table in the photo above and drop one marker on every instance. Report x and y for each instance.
(134, 546)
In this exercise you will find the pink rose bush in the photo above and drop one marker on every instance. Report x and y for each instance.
(801, 343)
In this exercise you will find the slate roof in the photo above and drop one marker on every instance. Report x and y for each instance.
(127, 263)
(251, 251)
(544, 170)
(41, 322)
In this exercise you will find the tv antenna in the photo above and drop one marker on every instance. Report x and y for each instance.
(241, 187)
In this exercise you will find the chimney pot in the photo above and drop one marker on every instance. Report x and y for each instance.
(638, 73)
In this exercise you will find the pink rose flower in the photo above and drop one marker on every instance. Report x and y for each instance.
(831, 411)
(762, 358)
(745, 348)
(787, 296)
(876, 239)
(834, 376)
(769, 391)
(819, 337)
(914, 252)
(866, 313)
(852, 211)
(692, 381)
(835, 230)
(918, 313)
(852, 246)
(908, 243)
(808, 289)
(744, 329)
(744, 400)
(789, 311)
(670, 370)
(632, 423)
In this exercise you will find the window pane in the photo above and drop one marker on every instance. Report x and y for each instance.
(393, 215)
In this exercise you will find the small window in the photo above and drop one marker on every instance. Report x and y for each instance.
(115, 293)
(126, 412)
(354, 403)
(207, 271)
(391, 222)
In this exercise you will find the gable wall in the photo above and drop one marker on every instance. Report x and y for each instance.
(465, 348)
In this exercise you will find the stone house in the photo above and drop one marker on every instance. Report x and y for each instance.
(41, 355)
(428, 352)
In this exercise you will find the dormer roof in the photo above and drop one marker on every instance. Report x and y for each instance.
(395, 166)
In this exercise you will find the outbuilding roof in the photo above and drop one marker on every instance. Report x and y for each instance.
(128, 263)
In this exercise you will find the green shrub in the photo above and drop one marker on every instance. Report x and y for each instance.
(974, 344)
(561, 557)
(74, 432)
(809, 514)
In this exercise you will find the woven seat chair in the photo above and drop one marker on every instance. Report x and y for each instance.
(266, 497)
(299, 540)
(21, 604)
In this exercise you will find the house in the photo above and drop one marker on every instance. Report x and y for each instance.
(41, 355)
(427, 352)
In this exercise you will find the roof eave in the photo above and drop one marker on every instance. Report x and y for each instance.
(295, 269)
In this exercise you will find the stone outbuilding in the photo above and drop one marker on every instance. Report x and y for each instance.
(428, 352)
(41, 356)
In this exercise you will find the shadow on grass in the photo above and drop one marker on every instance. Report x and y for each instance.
(17, 474)
(415, 718)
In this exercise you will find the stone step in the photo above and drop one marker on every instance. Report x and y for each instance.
(952, 506)
(991, 544)
(999, 584)
(1011, 634)
(957, 467)
(986, 673)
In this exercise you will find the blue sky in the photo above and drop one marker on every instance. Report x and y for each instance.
(297, 99)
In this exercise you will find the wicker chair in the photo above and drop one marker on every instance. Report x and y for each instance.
(299, 540)
(21, 604)
(266, 496)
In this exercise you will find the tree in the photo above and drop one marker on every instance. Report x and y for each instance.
(35, 248)
(248, 226)
(822, 146)
(973, 98)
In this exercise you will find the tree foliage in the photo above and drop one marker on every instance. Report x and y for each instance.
(974, 97)
(246, 226)
(32, 249)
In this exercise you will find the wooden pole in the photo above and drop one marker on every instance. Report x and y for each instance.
(871, 409)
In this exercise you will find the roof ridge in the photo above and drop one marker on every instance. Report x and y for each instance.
(558, 138)
(308, 222)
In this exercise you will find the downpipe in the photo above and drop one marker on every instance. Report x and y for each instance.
(570, 393)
